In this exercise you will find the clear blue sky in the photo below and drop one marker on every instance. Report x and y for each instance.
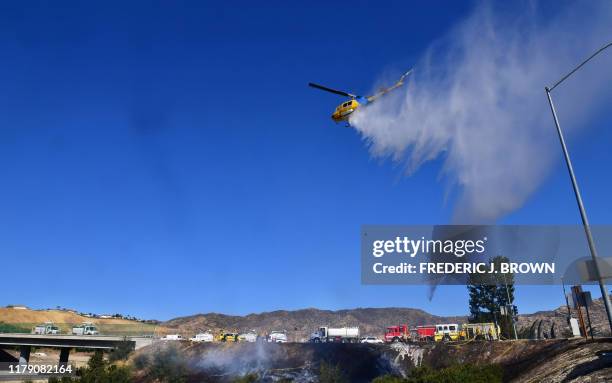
(166, 159)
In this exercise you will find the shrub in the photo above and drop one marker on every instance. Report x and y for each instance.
(141, 361)
(331, 374)
(13, 328)
(388, 379)
(167, 366)
(98, 371)
(459, 373)
(122, 352)
(248, 378)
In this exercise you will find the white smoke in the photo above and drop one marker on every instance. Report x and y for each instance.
(476, 100)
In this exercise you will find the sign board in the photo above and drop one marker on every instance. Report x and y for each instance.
(576, 296)
(587, 269)
(575, 327)
(579, 298)
(584, 299)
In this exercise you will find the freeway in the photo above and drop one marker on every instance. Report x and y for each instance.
(72, 341)
(65, 343)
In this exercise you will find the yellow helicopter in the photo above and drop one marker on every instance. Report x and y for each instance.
(344, 110)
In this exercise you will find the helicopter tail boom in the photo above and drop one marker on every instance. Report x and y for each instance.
(384, 91)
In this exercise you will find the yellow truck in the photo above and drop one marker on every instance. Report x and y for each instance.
(227, 337)
(466, 331)
(485, 331)
(446, 332)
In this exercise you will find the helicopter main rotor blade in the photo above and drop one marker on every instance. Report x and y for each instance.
(335, 91)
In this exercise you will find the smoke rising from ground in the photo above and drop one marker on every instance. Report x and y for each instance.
(477, 102)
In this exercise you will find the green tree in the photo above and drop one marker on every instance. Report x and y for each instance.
(98, 371)
(122, 351)
(488, 294)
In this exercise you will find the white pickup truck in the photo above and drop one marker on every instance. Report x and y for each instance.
(85, 329)
(47, 328)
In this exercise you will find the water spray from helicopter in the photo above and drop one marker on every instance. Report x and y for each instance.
(476, 101)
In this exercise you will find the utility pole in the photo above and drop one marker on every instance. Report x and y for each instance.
(569, 311)
(568, 162)
(510, 308)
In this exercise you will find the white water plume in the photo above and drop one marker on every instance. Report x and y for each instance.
(477, 102)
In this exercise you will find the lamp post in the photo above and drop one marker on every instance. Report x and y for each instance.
(510, 308)
(568, 162)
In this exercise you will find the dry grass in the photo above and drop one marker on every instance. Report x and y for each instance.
(8, 315)
(65, 320)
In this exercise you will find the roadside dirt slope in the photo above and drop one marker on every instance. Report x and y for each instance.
(9, 315)
(531, 361)
(15, 320)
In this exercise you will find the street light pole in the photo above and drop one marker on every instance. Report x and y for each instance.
(568, 162)
(511, 307)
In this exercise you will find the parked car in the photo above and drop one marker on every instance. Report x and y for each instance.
(250, 337)
(277, 337)
(371, 339)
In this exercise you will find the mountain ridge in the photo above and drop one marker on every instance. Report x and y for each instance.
(372, 321)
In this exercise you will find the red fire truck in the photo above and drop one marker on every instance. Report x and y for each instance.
(397, 334)
(423, 333)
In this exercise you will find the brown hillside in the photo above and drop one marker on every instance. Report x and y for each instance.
(372, 321)
(24, 320)
(300, 323)
(553, 323)
(9, 315)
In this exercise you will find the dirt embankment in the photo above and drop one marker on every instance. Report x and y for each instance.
(556, 360)
(521, 361)
(9, 315)
(24, 320)
(554, 324)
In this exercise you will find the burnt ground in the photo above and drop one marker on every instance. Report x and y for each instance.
(6, 357)
(554, 360)
(300, 362)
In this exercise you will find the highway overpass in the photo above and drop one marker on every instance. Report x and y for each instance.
(65, 343)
